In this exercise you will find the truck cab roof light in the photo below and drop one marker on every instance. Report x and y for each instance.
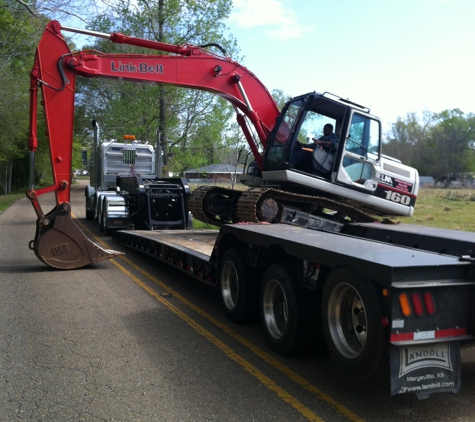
(429, 302)
(405, 305)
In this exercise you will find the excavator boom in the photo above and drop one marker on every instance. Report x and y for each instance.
(351, 177)
(58, 241)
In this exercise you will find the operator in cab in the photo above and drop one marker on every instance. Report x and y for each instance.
(302, 156)
(329, 140)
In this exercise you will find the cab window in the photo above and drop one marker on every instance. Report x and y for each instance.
(363, 141)
(364, 137)
(277, 150)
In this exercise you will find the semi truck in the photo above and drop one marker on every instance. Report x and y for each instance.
(305, 249)
(126, 189)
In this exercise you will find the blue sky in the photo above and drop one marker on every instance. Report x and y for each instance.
(393, 56)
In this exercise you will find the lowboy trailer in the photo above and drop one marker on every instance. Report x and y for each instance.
(380, 300)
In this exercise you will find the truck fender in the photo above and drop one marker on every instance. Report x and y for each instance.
(89, 191)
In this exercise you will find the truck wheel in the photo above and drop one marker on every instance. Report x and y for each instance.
(89, 215)
(282, 310)
(239, 289)
(90, 193)
(107, 231)
(99, 216)
(351, 316)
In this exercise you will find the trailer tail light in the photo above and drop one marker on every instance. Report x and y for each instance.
(404, 303)
(417, 304)
(429, 303)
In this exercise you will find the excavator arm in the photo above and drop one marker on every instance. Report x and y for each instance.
(58, 241)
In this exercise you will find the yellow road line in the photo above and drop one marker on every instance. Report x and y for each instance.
(347, 413)
(256, 350)
(265, 380)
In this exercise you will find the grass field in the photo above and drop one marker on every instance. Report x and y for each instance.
(7, 200)
(444, 208)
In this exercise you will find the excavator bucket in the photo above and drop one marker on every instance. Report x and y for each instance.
(60, 244)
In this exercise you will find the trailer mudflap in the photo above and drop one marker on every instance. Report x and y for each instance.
(424, 369)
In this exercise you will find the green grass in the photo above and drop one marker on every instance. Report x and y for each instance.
(7, 200)
(199, 225)
(444, 208)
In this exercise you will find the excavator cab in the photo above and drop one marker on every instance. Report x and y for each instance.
(293, 157)
(354, 171)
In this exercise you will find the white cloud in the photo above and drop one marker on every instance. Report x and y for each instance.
(281, 21)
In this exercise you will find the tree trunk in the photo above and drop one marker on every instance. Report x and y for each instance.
(9, 178)
(4, 181)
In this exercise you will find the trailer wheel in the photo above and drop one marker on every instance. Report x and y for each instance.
(282, 310)
(351, 316)
(239, 289)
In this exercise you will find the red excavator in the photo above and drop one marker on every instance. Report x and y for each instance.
(293, 167)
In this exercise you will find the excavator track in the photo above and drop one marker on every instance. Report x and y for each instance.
(251, 202)
(201, 208)
(256, 205)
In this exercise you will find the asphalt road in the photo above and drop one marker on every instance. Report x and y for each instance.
(134, 340)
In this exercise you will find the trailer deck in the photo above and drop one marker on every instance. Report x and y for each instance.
(188, 250)
(376, 260)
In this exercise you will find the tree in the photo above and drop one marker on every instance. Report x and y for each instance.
(62, 10)
(407, 139)
(280, 97)
(16, 56)
(437, 145)
(188, 120)
(451, 137)
(21, 25)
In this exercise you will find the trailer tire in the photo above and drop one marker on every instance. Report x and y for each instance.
(351, 317)
(282, 312)
(239, 289)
